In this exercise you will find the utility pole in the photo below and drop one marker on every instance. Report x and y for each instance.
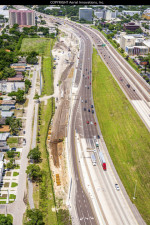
(135, 189)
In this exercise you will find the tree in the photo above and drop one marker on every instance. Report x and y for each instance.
(35, 154)
(19, 95)
(35, 217)
(27, 85)
(8, 72)
(15, 124)
(5, 220)
(10, 154)
(34, 172)
(10, 165)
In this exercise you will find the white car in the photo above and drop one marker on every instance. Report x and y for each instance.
(117, 187)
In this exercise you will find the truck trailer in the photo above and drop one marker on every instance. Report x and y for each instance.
(93, 158)
(103, 162)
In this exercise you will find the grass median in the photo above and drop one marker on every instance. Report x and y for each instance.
(126, 137)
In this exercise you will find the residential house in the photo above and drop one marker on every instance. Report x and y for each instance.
(4, 128)
(4, 136)
(14, 85)
(6, 113)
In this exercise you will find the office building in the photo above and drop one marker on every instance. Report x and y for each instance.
(107, 15)
(131, 13)
(137, 50)
(130, 26)
(86, 14)
(25, 18)
(99, 15)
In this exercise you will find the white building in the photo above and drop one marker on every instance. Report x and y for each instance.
(131, 13)
(147, 44)
(8, 87)
(126, 40)
(99, 15)
(107, 15)
(86, 14)
(51, 7)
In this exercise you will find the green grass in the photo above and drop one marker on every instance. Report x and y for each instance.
(15, 174)
(13, 184)
(46, 198)
(42, 46)
(126, 137)
(35, 44)
(12, 140)
(12, 196)
(47, 88)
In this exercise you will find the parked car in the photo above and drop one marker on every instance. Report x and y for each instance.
(87, 122)
(13, 149)
(84, 109)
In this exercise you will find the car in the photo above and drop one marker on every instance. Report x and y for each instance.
(88, 110)
(128, 85)
(84, 109)
(13, 149)
(24, 132)
(121, 79)
(98, 136)
(88, 87)
(95, 123)
(117, 187)
(91, 122)
(91, 106)
(85, 86)
(87, 122)
(94, 150)
(82, 101)
(85, 101)
(90, 83)
(92, 111)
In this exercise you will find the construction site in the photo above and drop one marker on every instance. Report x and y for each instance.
(65, 55)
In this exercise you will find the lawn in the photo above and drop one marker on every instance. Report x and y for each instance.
(46, 197)
(15, 174)
(42, 46)
(35, 44)
(13, 184)
(12, 140)
(126, 137)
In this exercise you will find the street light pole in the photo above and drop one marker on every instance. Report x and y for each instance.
(135, 189)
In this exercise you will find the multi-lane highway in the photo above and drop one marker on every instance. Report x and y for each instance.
(119, 208)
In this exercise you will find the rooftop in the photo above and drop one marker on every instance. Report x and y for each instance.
(4, 128)
(7, 113)
(4, 136)
(7, 102)
(15, 78)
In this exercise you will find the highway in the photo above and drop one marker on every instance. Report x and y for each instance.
(121, 213)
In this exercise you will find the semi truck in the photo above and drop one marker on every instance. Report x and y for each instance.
(103, 162)
(93, 158)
